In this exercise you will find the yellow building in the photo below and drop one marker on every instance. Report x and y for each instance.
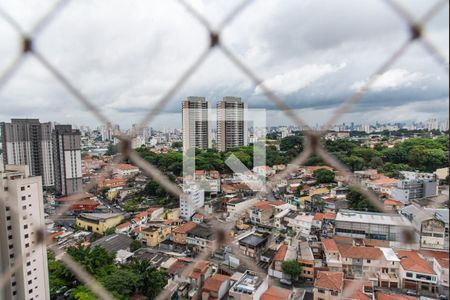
(98, 223)
(154, 235)
(172, 214)
(312, 192)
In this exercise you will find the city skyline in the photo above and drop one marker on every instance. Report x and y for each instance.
(330, 62)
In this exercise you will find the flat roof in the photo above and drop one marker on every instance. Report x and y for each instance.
(254, 240)
(371, 217)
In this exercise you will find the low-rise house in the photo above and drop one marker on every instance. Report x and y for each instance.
(302, 224)
(440, 262)
(254, 245)
(125, 170)
(431, 226)
(277, 293)
(383, 185)
(249, 287)
(329, 286)
(276, 269)
(198, 218)
(202, 271)
(140, 219)
(155, 234)
(201, 237)
(393, 205)
(180, 233)
(382, 295)
(416, 273)
(333, 257)
(238, 207)
(112, 183)
(216, 287)
(262, 213)
(357, 290)
(155, 213)
(98, 223)
(306, 260)
(379, 265)
(124, 227)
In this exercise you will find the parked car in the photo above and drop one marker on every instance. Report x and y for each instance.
(286, 282)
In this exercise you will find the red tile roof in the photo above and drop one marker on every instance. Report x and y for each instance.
(330, 281)
(214, 283)
(263, 205)
(319, 216)
(126, 167)
(360, 252)
(353, 289)
(392, 202)
(411, 261)
(185, 227)
(281, 254)
(276, 293)
(75, 197)
(383, 181)
(330, 245)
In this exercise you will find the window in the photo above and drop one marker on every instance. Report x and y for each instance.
(22, 188)
(24, 198)
(409, 275)
(333, 293)
(321, 291)
(369, 261)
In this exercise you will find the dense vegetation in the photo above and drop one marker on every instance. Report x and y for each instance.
(138, 277)
(424, 154)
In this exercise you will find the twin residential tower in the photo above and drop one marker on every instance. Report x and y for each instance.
(197, 121)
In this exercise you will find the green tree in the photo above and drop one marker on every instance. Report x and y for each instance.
(59, 275)
(96, 260)
(122, 282)
(83, 293)
(292, 268)
(354, 162)
(152, 281)
(135, 245)
(324, 176)
(110, 231)
(357, 201)
(292, 143)
(112, 150)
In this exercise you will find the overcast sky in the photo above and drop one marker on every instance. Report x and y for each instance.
(124, 55)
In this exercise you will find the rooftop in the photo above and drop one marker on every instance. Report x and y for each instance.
(330, 281)
(248, 284)
(185, 228)
(214, 283)
(330, 245)
(360, 252)
(254, 240)
(99, 217)
(371, 217)
(114, 243)
(411, 261)
(276, 293)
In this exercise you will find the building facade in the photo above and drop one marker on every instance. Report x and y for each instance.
(231, 125)
(196, 127)
(29, 142)
(22, 193)
(191, 201)
(67, 158)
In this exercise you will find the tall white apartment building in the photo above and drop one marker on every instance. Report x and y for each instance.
(196, 127)
(190, 202)
(231, 125)
(22, 193)
(432, 124)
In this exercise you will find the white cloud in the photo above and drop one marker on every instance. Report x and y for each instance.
(393, 79)
(296, 80)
